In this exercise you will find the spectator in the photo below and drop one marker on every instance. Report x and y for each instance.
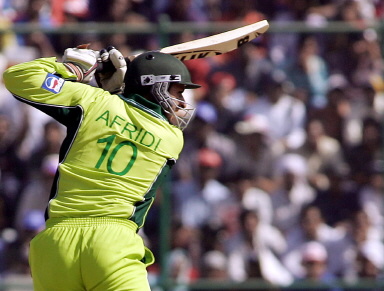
(359, 231)
(369, 264)
(53, 135)
(286, 113)
(71, 12)
(13, 170)
(32, 223)
(120, 11)
(4, 245)
(370, 256)
(185, 10)
(364, 105)
(370, 97)
(368, 58)
(310, 72)
(371, 198)
(202, 199)
(284, 46)
(321, 152)
(257, 66)
(312, 228)
(215, 266)
(254, 198)
(203, 134)
(335, 114)
(314, 260)
(254, 153)
(291, 193)
(228, 98)
(257, 254)
(363, 156)
(363, 229)
(36, 193)
(183, 257)
(68, 11)
(339, 200)
(38, 12)
(200, 70)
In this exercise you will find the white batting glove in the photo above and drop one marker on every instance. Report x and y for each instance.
(81, 61)
(112, 80)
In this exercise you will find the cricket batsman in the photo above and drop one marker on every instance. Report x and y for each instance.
(122, 140)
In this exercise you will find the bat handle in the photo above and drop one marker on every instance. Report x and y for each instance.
(105, 67)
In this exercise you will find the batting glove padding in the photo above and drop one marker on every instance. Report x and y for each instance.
(81, 61)
(112, 80)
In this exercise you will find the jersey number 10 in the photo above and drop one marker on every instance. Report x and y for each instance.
(111, 153)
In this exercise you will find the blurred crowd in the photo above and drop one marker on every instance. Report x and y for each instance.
(281, 176)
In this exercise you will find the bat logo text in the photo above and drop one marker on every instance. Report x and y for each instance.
(195, 54)
(242, 41)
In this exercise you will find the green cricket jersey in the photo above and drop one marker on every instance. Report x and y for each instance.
(117, 149)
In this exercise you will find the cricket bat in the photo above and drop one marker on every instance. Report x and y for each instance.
(212, 45)
(216, 44)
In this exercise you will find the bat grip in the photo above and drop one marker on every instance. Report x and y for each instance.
(105, 67)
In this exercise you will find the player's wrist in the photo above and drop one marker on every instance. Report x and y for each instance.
(76, 70)
(82, 62)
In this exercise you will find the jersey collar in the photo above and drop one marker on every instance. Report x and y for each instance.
(143, 103)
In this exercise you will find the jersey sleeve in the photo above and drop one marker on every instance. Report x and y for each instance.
(46, 81)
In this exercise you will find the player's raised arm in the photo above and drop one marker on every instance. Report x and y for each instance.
(47, 81)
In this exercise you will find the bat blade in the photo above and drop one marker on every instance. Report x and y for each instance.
(217, 44)
(208, 46)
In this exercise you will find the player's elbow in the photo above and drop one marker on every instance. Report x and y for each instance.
(11, 79)
(8, 77)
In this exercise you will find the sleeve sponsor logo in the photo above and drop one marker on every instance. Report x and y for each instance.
(53, 83)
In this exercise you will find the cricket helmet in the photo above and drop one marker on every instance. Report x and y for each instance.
(153, 67)
(153, 73)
